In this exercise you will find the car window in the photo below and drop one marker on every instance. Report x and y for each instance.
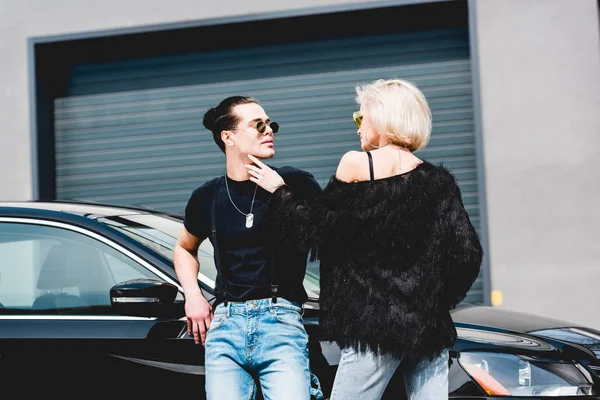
(160, 232)
(49, 270)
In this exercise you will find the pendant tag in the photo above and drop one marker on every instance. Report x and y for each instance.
(249, 220)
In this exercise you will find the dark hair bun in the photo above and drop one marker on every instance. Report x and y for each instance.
(210, 118)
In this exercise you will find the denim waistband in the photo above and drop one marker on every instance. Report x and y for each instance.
(257, 306)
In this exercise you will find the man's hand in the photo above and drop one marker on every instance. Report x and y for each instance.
(263, 176)
(199, 316)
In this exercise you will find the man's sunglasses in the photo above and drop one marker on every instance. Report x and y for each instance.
(357, 118)
(261, 126)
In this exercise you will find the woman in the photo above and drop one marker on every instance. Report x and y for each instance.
(396, 246)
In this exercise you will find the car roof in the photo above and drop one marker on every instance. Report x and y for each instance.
(80, 208)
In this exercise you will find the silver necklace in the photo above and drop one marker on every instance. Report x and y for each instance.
(249, 216)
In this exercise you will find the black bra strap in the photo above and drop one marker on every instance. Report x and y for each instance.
(371, 165)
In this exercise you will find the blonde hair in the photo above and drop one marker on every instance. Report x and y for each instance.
(398, 110)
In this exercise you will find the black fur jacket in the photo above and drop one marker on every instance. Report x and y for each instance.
(396, 255)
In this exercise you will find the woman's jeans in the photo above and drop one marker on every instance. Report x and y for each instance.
(262, 339)
(365, 376)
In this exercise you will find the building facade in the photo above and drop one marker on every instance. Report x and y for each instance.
(103, 101)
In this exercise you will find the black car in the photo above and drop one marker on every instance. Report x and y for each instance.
(90, 305)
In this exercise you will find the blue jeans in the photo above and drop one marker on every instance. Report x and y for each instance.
(365, 375)
(262, 339)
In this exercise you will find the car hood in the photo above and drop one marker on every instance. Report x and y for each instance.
(505, 319)
(532, 325)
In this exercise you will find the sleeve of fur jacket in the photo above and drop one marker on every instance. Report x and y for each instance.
(289, 219)
(298, 221)
(455, 246)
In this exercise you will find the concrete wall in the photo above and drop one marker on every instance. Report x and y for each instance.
(540, 98)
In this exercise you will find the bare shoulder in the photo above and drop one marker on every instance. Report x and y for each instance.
(351, 166)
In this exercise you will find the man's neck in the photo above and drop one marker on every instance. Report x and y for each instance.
(236, 169)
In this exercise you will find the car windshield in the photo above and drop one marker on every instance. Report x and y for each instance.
(160, 231)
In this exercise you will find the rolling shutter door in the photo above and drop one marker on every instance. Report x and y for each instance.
(130, 132)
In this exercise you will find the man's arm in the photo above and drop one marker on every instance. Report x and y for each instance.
(197, 310)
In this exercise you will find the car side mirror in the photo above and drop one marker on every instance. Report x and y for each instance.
(145, 298)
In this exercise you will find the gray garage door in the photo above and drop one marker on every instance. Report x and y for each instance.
(130, 132)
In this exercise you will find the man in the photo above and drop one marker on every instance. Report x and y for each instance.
(255, 330)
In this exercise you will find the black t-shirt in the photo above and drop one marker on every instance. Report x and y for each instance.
(246, 254)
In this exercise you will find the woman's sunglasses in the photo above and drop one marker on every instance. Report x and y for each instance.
(357, 118)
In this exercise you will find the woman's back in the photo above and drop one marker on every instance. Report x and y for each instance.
(385, 162)
(398, 251)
